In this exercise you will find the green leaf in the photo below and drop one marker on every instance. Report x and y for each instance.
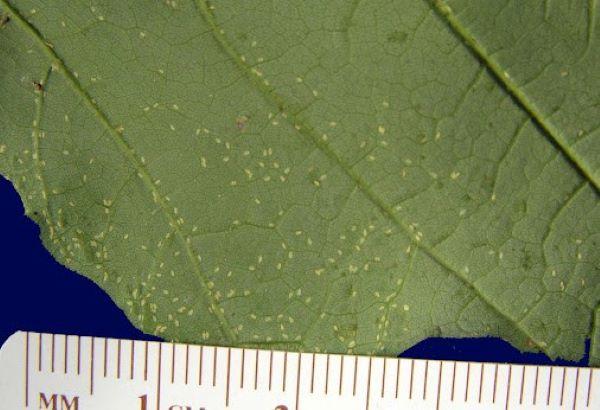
(337, 176)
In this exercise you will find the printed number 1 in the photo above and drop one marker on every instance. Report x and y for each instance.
(144, 402)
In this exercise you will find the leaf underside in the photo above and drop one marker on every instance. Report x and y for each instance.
(340, 176)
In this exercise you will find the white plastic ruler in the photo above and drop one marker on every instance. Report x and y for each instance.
(57, 372)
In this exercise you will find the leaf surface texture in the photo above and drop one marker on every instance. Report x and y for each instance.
(341, 176)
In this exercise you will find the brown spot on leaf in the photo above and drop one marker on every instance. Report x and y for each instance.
(38, 87)
(241, 123)
(4, 20)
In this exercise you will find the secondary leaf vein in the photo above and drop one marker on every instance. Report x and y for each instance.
(129, 154)
(307, 132)
(550, 131)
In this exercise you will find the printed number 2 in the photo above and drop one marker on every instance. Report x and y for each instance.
(144, 402)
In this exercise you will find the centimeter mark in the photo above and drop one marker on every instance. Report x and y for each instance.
(574, 390)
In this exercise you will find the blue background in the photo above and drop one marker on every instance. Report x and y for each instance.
(38, 294)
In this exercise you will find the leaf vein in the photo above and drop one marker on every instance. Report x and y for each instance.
(550, 131)
(128, 154)
(270, 95)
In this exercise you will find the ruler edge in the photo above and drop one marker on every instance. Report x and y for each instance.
(20, 338)
(21, 335)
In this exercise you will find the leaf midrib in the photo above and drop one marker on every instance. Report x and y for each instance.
(524, 102)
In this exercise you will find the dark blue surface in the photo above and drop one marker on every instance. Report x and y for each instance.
(38, 294)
